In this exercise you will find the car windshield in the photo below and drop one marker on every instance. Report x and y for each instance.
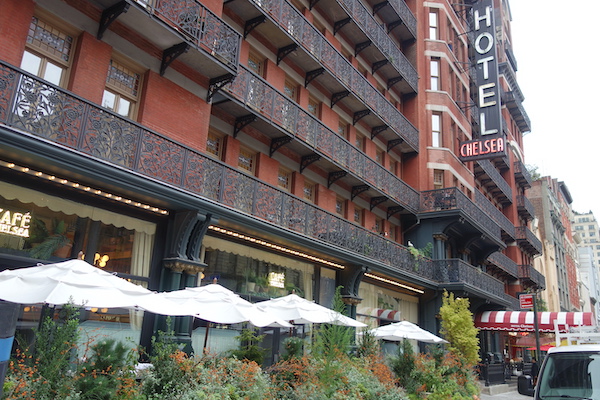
(570, 375)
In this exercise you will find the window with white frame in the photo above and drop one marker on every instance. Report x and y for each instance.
(434, 66)
(436, 130)
(433, 25)
(438, 179)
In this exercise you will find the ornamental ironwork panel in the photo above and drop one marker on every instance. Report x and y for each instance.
(162, 159)
(203, 176)
(238, 191)
(201, 27)
(294, 214)
(8, 84)
(40, 108)
(486, 205)
(268, 203)
(505, 263)
(455, 270)
(108, 138)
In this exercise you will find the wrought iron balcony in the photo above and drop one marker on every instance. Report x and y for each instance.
(517, 111)
(491, 179)
(401, 18)
(504, 263)
(40, 109)
(508, 229)
(294, 122)
(527, 240)
(179, 26)
(372, 41)
(451, 272)
(525, 207)
(320, 56)
(531, 276)
(452, 200)
(522, 176)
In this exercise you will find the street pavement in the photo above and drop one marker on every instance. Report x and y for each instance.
(513, 395)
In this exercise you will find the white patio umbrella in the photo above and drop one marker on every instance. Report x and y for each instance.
(301, 311)
(405, 330)
(218, 304)
(82, 284)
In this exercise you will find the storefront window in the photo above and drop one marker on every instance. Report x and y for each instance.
(37, 226)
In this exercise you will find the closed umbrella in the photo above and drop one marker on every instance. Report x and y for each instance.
(405, 330)
(82, 284)
(301, 311)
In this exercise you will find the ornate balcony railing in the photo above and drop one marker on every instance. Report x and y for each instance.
(453, 199)
(294, 121)
(369, 25)
(525, 206)
(458, 271)
(522, 176)
(202, 28)
(528, 240)
(495, 214)
(494, 175)
(527, 272)
(44, 110)
(297, 26)
(504, 263)
(407, 17)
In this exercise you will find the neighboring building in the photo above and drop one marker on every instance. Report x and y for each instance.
(587, 227)
(588, 270)
(552, 201)
(273, 146)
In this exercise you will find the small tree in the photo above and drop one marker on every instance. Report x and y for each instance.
(332, 340)
(458, 328)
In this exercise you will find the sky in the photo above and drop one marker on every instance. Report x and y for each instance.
(557, 51)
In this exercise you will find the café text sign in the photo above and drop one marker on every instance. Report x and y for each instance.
(14, 223)
(491, 142)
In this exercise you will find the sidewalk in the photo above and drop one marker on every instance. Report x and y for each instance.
(507, 391)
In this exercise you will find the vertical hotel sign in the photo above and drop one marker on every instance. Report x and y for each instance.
(491, 142)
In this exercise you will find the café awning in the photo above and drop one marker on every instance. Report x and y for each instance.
(522, 321)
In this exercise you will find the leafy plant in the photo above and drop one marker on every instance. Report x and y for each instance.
(332, 340)
(458, 328)
(294, 347)
(249, 348)
(49, 240)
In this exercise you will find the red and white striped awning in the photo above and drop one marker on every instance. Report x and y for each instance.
(390, 315)
(522, 321)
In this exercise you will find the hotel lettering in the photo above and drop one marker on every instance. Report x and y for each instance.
(491, 141)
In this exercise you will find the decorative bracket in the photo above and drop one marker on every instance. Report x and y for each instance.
(311, 75)
(215, 84)
(285, 51)
(359, 115)
(171, 54)
(393, 210)
(377, 130)
(356, 190)
(378, 65)
(110, 15)
(375, 201)
(307, 160)
(379, 6)
(277, 143)
(334, 176)
(339, 24)
(392, 25)
(338, 96)
(393, 143)
(253, 23)
(391, 82)
(361, 46)
(241, 122)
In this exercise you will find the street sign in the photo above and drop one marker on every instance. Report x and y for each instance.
(526, 301)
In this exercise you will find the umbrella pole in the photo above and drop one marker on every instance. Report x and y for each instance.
(206, 336)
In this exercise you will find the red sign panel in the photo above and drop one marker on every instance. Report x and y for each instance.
(526, 301)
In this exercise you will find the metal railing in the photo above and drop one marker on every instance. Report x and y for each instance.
(528, 272)
(453, 199)
(201, 27)
(297, 26)
(459, 271)
(49, 112)
(523, 203)
(502, 220)
(254, 92)
(505, 263)
(524, 234)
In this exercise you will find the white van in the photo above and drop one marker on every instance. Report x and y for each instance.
(568, 372)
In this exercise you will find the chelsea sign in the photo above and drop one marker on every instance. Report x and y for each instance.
(491, 142)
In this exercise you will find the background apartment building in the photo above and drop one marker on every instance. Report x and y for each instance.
(272, 146)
